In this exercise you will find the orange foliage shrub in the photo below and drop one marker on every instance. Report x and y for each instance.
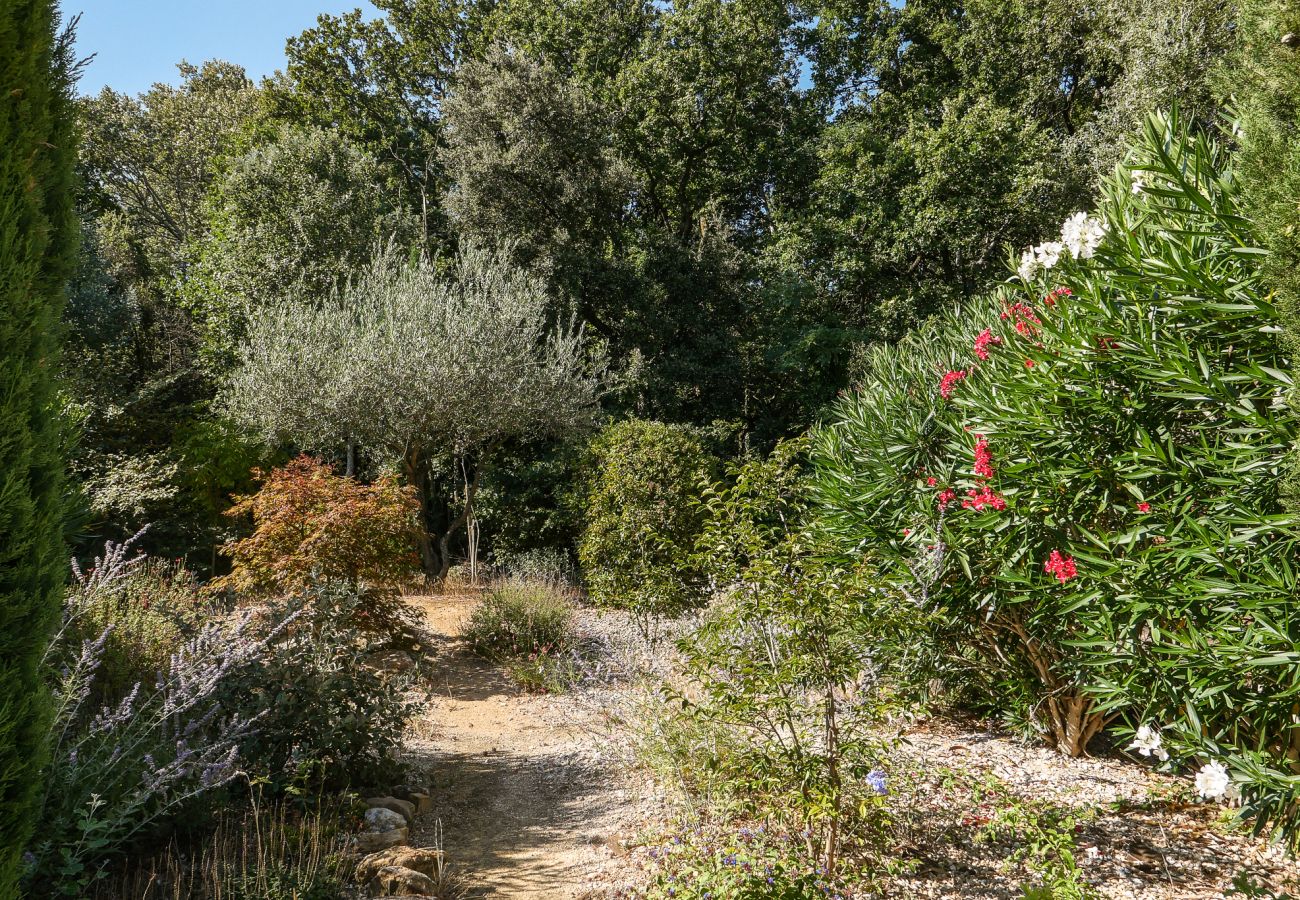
(310, 523)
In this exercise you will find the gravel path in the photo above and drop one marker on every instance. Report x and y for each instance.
(530, 805)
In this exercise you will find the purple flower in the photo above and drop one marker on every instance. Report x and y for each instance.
(878, 781)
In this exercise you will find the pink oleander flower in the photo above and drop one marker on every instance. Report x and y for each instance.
(1144, 507)
(1024, 317)
(932, 481)
(946, 496)
(983, 459)
(978, 500)
(982, 343)
(1061, 566)
(1029, 363)
(1057, 294)
(949, 381)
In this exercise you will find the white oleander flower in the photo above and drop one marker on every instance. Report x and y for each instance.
(1213, 781)
(1147, 742)
(1047, 253)
(1082, 234)
(1028, 265)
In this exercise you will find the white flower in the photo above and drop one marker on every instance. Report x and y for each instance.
(1213, 780)
(1139, 182)
(1028, 265)
(1148, 743)
(1046, 254)
(1082, 234)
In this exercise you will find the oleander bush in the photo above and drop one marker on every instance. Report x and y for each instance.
(642, 517)
(1098, 449)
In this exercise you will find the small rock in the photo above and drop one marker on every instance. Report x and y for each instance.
(380, 819)
(426, 862)
(374, 841)
(399, 881)
(1290, 39)
(403, 808)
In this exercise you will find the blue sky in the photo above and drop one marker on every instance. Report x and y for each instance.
(139, 42)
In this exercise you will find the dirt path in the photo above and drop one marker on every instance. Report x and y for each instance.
(528, 805)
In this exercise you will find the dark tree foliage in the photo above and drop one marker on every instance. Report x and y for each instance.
(1265, 78)
(38, 237)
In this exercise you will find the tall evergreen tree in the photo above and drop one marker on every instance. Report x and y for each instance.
(38, 236)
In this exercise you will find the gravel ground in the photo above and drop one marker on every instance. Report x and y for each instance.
(1140, 834)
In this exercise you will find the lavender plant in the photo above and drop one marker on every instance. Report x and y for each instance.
(120, 768)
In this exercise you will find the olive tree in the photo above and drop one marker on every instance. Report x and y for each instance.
(421, 364)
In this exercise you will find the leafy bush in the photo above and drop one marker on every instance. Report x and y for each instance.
(122, 769)
(744, 862)
(640, 500)
(518, 618)
(142, 615)
(788, 660)
(1102, 468)
(327, 718)
(309, 523)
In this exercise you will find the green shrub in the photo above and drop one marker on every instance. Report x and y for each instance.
(519, 618)
(328, 719)
(1104, 489)
(640, 502)
(143, 618)
(731, 863)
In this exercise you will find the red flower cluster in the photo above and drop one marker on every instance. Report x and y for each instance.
(1144, 507)
(978, 500)
(1061, 566)
(1024, 316)
(932, 481)
(1057, 294)
(982, 343)
(983, 459)
(949, 381)
(946, 496)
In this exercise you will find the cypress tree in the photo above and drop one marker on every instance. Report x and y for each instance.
(1264, 81)
(37, 251)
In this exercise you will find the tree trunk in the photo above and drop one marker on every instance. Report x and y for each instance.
(444, 542)
(415, 467)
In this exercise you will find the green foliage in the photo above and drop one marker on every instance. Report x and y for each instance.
(1264, 80)
(38, 239)
(418, 366)
(796, 659)
(521, 618)
(310, 524)
(642, 517)
(291, 218)
(143, 618)
(743, 863)
(330, 719)
(1136, 428)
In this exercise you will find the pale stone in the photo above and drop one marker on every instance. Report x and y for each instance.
(380, 819)
(399, 881)
(426, 862)
(403, 808)
(372, 841)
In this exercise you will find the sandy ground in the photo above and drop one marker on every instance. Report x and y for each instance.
(529, 805)
(534, 796)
